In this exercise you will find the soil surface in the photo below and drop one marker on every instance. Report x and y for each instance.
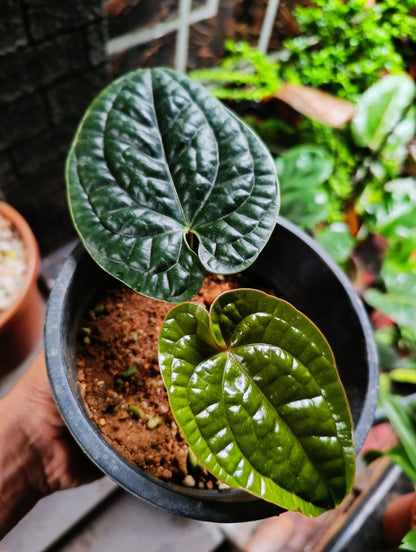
(122, 386)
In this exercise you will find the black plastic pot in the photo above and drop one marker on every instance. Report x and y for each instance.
(299, 271)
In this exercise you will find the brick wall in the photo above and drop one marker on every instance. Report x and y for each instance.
(52, 63)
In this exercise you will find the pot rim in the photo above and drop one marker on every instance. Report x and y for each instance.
(32, 259)
(218, 506)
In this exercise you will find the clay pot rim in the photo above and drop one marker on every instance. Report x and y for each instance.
(33, 260)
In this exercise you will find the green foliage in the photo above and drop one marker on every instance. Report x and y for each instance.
(302, 171)
(380, 110)
(379, 136)
(255, 390)
(399, 299)
(245, 74)
(337, 142)
(402, 419)
(345, 47)
(337, 240)
(409, 542)
(393, 218)
(157, 160)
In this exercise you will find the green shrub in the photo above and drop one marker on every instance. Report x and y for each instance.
(344, 47)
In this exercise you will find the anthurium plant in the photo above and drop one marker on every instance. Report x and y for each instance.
(164, 184)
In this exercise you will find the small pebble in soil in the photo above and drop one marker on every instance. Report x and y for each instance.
(154, 421)
(188, 481)
(222, 486)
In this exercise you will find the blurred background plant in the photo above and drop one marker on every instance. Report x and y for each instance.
(337, 108)
(348, 180)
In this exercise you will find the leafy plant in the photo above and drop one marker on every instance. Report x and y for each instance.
(302, 170)
(249, 75)
(345, 47)
(360, 185)
(409, 541)
(342, 185)
(402, 419)
(254, 389)
(175, 165)
(342, 48)
(384, 122)
(245, 74)
(163, 183)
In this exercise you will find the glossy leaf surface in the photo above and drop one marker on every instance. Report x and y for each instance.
(256, 393)
(155, 160)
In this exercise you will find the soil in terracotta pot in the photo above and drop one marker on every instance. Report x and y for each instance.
(122, 387)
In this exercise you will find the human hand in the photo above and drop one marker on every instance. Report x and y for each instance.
(38, 456)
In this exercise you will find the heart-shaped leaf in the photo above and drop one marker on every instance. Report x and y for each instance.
(157, 161)
(257, 395)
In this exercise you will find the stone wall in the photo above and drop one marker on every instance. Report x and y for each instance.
(52, 63)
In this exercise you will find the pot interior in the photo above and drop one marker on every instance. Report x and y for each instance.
(298, 271)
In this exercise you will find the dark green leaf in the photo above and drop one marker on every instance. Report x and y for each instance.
(381, 108)
(156, 159)
(302, 171)
(256, 393)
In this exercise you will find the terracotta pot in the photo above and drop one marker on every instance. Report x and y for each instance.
(399, 518)
(21, 325)
(298, 270)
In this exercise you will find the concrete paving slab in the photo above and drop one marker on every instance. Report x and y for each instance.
(54, 515)
(130, 524)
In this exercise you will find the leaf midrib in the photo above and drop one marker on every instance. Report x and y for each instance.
(171, 181)
(277, 414)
